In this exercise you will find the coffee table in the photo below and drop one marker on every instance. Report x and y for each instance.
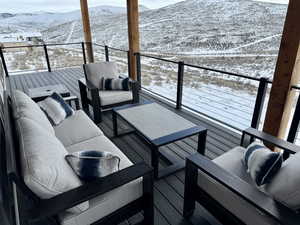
(40, 93)
(159, 126)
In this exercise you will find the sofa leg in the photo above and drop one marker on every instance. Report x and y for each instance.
(148, 199)
(191, 177)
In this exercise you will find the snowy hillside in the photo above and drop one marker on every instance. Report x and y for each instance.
(44, 20)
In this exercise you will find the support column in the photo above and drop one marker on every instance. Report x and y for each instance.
(87, 30)
(284, 76)
(133, 34)
(291, 100)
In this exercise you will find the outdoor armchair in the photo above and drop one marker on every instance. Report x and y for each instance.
(92, 95)
(226, 190)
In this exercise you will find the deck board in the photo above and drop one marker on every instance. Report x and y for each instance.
(168, 192)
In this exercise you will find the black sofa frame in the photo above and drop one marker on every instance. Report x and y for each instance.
(193, 193)
(34, 210)
(95, 101)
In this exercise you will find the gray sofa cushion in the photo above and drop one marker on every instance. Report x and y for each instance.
(95, 72)
(285, 185)
(24, 106)
(43, 165)
(76, 128)
(103, 205)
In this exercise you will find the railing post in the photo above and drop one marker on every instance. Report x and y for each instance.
(83, 52)
(295, 123)
(179, 84)
(106, 53)
(3, 62)
(128, 62)
(138, 68)
(259, 103)
(47, 58)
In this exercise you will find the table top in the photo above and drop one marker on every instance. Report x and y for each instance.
(45, 91)
(156, 122)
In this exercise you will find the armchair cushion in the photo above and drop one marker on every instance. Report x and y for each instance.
(285, 185)
(96, 71)
(233, 162)
(113, 97)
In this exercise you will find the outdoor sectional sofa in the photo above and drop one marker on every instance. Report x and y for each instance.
(36, 153)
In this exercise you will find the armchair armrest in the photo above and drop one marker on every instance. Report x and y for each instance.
(69, 199)
(287, 146)
(74, 99)
(87, 84)
(244, 190)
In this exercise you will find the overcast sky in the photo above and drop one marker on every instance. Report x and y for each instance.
(16, 6)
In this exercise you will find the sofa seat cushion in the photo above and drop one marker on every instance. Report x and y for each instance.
(76, 128)
(103, 205)
(232, 161)
(113, 97)
(43, 164)
(24, 106)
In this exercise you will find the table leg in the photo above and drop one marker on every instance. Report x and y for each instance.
(155, 160)
(115, 123)
(202, 142)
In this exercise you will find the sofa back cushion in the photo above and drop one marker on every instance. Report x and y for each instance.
(285, 185)
(96, 71)
(43, 166)
(24, 106)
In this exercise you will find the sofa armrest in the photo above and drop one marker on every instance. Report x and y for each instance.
(69, 199)
(135, 86)
(245, 191)
(287, 146)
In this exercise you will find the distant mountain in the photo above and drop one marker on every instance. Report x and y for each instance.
(6, 15)
(42, 20)
(191, 26)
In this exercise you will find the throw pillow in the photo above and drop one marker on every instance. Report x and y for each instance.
(56, 108)
(116, 84)
(89, 165)
(262, 163)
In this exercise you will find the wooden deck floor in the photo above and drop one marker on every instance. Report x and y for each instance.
(168, 194)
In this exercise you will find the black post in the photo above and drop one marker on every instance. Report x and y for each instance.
(180, 84)
(259, 103)
(83, 52)
(138, 68)
(47, 58)
(295, 123)
(3, 62)
(106, 53)
(128, 62)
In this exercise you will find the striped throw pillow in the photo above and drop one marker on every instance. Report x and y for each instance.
(262, 164)
(116, 84)
(55, 108)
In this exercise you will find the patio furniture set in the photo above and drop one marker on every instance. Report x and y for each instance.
(34, 150)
